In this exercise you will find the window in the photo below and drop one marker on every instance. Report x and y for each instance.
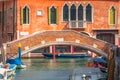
(109, 37)
(77, 15)
(52, 15)
(88, 13)
(112, 15)
(65, 13)
(80, 12)
(73, 12)
(25, 15)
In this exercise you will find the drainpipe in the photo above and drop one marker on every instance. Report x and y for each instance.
(2, 19)
(12, 36)
(14, 18)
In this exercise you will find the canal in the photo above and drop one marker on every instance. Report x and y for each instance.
(47, 69)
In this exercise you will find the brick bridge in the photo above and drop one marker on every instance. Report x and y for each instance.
(69, 37)
(48, 38)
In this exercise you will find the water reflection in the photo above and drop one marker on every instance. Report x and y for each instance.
(47, 69)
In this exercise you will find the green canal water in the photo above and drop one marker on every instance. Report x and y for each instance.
(47, 69)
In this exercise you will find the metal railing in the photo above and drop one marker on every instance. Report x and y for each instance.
(76, 24)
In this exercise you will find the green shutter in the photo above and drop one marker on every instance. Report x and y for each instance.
(21, 15)
(27, 15)
(49, 13)
(57, 15)
(112, 16)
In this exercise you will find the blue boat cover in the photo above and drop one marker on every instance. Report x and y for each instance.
(12, 66)
(99, 59)
(16, 61)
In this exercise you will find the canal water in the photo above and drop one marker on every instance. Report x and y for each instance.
(47, 69)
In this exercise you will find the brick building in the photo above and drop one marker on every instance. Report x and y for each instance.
(97, 18)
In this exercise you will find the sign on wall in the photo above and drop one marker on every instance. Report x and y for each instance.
(39, 12)
(24, 33)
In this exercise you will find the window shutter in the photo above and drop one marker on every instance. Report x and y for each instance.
(21, 15)
(27, 15)
(49, 13)
(111, 17)
(57, 15)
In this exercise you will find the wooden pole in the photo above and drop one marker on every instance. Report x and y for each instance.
(4, 54)
(72, 49)
(54, 52)
(19, 50)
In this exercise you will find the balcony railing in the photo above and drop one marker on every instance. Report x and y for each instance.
(76, 24)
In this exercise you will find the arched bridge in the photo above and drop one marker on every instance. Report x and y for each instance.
(48, 38)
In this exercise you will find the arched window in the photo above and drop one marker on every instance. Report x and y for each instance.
(53, 15)
(89, 13)
(73, 12)
(65, 13)
(112, 15)
(80, 12)
(25, 12)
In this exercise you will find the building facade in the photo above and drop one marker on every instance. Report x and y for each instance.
(97, 18)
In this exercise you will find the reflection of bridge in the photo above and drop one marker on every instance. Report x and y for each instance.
(49, 38)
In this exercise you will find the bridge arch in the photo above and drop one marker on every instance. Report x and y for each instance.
(65, 37)
(91, 48)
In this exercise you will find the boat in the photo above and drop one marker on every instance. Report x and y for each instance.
(87, 74)
(7, 73)
(17, 61)
(22, 66)
(98, 62)
(61, 55)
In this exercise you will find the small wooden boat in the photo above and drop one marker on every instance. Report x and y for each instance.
(49, 55)
(7, 73)
(87, 74)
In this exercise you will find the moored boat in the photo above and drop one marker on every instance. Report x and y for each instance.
(22, 66)
(7, 73)
(87, 74)
(17, 61)
(61, 55)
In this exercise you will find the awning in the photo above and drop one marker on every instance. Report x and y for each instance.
(113, 31)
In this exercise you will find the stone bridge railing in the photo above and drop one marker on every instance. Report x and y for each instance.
(46, 37)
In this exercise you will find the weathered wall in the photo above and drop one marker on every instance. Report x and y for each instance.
(37, 23)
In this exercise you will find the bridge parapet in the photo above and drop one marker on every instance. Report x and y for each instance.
(48, 38)
(45, 37)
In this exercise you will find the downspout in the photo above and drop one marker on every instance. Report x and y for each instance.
(12, 36)
(2, 19)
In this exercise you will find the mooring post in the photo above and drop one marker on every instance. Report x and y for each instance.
(54, 53)
(4, 53)
(111, 64)
(19, 50)
(72, 49)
